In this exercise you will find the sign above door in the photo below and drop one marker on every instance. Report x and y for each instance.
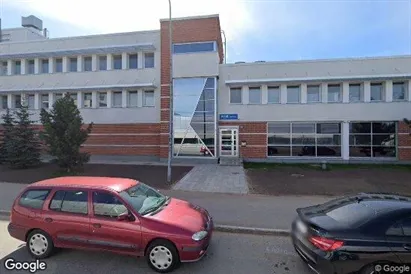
(229, 116)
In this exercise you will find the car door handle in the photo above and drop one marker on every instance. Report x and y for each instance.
(48, 220)
(97, 225)
(407, 247)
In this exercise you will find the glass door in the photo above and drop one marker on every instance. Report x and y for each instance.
(229, 142)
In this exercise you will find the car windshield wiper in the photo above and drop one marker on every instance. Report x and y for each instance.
(155, 208)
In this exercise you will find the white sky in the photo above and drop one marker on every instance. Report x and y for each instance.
(102, 16)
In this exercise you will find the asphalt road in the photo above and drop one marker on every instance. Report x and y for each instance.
(228, 253)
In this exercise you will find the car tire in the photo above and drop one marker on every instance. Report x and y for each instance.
(39, 244)
(162, 256)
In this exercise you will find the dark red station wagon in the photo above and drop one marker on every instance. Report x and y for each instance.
(113, 214)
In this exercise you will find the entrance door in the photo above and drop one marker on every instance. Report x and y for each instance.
(229, 142)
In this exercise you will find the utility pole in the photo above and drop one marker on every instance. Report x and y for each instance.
(171, 119)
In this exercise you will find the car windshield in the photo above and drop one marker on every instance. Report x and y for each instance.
(143, 198)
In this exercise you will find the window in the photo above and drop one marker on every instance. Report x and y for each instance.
(58, 66)
(395, 230)
(30, 67)
(236, 96)
(149, 60)
(44, 66)
(58, 96)
(30, 101)
(87, 100)
(73, 64)
(377, 92)
(352, 215)
(304, 139)
(3, 69)
(73, 96)
(143, 198)
(399, 91)
(102, 99)
(194, 47)
(132, 61)
(293, 94)
(313, 94)
(17, 67)
(372, 139)
(117, 62)
(4, 104)
(45, 101)
(254, 95)
(34, 198)
(273, 95)
(87, 63)
(102, 62)
(117, 99)
(132, 99)
(148, 98)
(17, 101)
(70, 201)
(356, 93)
(107, 205)
(334, 93)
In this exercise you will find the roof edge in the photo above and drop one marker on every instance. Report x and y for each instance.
(191, 17)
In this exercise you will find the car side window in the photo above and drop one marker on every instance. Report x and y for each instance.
(34, 198)
(395, 230)
(406, 227)
(71, 201)
(107, 205)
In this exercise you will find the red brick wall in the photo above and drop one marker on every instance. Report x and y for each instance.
(404, 142)
(184, 31)
(255, 134)
(107, 139)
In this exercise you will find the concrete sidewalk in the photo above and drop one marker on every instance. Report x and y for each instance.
(250, 211)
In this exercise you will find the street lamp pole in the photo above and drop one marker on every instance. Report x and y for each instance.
(225, 47)
(170, 136)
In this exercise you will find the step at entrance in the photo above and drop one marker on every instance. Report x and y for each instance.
(230, 161)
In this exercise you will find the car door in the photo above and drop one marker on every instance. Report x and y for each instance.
(107, 231)
(399, 238)
(66, 217)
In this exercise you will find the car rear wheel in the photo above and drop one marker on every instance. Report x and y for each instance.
(39, 244)
(162, 256)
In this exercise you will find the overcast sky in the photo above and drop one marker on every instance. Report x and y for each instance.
(256, 29)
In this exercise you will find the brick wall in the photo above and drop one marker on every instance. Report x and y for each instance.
(184, 31)
(255, 135)
(404, 142)
(122, 139)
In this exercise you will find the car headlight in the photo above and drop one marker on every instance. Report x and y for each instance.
(198, 236)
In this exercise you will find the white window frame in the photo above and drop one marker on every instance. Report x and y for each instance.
(319, 93)
(55, 65)
(128, 60)
(383, 92)
(41, 66)
(361, 92)
(113, 95)
(197, 52)
(154, 59)
(4, 69)
(14, 100)
(339, 93)
(99, 101)
(28, 66)
(84, 99)
(41, 100)
(69, 64)
(84, 63)
(299, 94)
(99, 62)
(405, 91)
(254, 89)
(15, 67)
(2, 97)
(129, 92)
(241, 97)
(114, 62)
(144, 98)
(278, 90)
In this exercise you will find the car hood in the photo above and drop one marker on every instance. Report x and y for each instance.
(182, 214)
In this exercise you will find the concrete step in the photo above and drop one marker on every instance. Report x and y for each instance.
(230, 161)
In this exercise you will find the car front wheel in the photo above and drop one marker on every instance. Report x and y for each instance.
(39, 244)
(162, 256)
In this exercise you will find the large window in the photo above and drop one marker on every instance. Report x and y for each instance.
(102, 62)
(4, 103)
(148, 98)
(30, 67)
(236, 96)
(117, 101)
(273, 95)
(102, 99)
(45, 101)
(45, 66)
(132, 99)
(107, 205)
(117, 62)
(17, 67)
(87, 66)
(70, 202)
(17, 101)
(377, 92)
(132, 61)
(313, 94)
(58, 66)
(376, 139)
(399, 91)
(149, 60)
(34, 198)
(304, 139)
(254, 95)
(3, 68)
(73, 64)
(194, 47)
(87, 100)
(30, 101)
(293, 94)
(194, 117)
(356, 93)
(334, 93)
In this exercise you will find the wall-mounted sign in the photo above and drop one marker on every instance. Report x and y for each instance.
(230, 116)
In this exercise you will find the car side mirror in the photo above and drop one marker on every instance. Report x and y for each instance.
(124, 216)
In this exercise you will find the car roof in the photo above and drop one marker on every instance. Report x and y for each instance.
(110, 183)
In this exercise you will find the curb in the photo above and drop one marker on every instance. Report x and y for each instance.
(252, 230)
(226, 228)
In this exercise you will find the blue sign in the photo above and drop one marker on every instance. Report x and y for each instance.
(228, 116)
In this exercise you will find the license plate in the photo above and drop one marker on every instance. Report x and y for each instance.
(301, 227)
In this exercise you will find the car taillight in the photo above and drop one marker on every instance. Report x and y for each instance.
(325, 244)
